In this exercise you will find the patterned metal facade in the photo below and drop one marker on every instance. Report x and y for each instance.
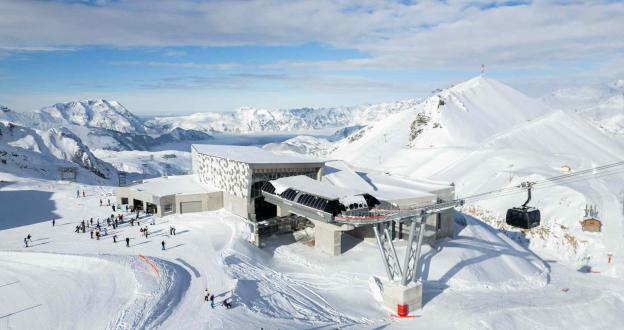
(228, 175)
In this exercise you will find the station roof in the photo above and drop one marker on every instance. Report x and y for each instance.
(173, 185)
(305, 184)
(251, 155)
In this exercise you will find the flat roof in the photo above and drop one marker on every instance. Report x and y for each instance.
(251, 154)
(384, 186)
(305, 184)
(173, 185)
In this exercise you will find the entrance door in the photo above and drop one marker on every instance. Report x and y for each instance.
(188, 207)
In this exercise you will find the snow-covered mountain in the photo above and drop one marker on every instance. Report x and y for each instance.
(602, 104)
(101, 124)
(262, 120)
(26, 150)
(109, 115)
(485, 135)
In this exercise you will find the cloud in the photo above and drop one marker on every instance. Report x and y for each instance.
(186, 65)
(239, 81)
(399, 34)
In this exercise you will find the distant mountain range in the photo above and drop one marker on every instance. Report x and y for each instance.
(602, 104)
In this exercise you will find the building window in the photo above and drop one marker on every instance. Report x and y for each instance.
(168, 208)
(124, 200)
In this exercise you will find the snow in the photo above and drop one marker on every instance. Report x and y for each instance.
(250, 154)
(314, 187)
(173, 185)
(287, 284)
(534, 148)
(485, 136)
(251, 119)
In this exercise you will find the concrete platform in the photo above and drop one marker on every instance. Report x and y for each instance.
(395, 294)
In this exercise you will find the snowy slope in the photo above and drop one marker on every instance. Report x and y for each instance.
(263, 120)
(104, 114)
(480, 279)
(602, 104)
(485, 136)
(25, 149)
(101, 124)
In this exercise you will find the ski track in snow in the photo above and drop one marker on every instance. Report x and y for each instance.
(151, 298)
(287, 295)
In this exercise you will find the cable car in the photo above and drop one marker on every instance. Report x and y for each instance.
(524, 217)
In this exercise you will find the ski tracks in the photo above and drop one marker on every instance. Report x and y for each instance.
(288, 295)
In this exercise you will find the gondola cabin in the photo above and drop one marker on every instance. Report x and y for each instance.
(523, 217)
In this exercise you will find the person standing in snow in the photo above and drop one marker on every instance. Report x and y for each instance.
(29, 237)
(100, 202)
(97, 234)
(91, 233)
(113, 206)
(127, 241)
(163, 244)
(212, 301)
(26, 241)
(83, 194)
(77, 229)
(114, 238)
(53, 222)
(207, 296)
(77, 193)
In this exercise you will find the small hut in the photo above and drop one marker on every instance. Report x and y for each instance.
(590, 222)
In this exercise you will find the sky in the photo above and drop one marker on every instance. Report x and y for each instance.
(185, 56)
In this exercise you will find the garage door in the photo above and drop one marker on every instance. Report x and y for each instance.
(187, 207)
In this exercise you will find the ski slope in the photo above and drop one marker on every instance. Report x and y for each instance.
(480, 279)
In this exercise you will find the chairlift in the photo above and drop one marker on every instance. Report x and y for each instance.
(524, 217)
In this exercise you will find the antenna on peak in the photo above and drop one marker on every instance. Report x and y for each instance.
(482, 69)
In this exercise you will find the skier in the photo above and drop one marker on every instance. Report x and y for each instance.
(146, 232)
(26, 241)
(108, 202)
(127, 241)
(77, 193)
(77, 229)
(227, 304)
(114, 238)
(91, 221)
(174, 231)
(29, 237)
(83, 193)
(212, 301)
(91, 233)
(100, 202)
(170, 230)
(113, 208)
(126, 207)
(207, 296)
(163, 245)
(97, 234)
(53, 222)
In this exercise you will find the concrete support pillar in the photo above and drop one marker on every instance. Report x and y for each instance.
(328, 238)
(447, 222)
(396, 295)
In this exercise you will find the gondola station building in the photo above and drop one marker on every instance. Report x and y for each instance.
(262, 186)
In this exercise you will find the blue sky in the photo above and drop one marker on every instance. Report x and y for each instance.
(188, 56)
